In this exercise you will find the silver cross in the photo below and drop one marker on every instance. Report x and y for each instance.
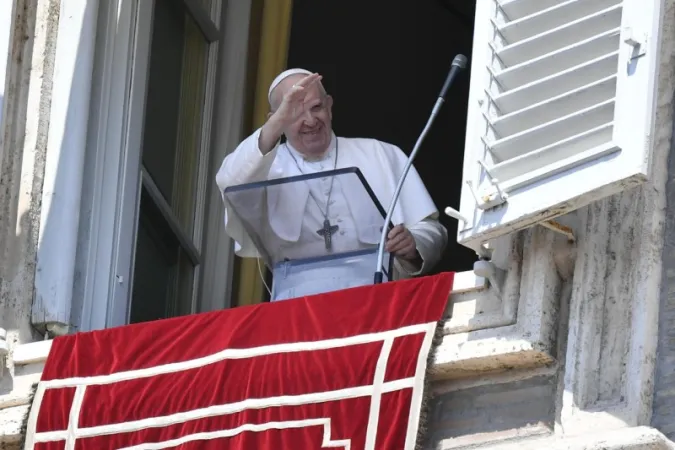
(327, 233)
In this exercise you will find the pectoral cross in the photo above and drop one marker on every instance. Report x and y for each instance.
(327, 233)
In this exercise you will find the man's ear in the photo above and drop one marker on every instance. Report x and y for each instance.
(269, 114)
(329, 106)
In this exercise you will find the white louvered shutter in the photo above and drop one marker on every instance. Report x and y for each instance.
(561, 108)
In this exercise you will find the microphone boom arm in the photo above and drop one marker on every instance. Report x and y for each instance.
(457, 64)
(397, 192)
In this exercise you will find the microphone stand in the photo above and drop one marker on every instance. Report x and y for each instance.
(459, 63)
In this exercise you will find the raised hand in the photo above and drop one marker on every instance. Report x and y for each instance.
(293, 106)
(294, 103)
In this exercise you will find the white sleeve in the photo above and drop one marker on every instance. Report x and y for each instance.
(246, 163)
(431, 237)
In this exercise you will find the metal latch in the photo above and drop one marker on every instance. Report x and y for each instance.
(492, 199)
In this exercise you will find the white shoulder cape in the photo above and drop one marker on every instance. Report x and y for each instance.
(380, 163)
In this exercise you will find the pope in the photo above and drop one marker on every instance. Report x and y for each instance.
(301, 111)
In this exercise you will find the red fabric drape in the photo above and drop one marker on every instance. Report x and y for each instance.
(338, 370)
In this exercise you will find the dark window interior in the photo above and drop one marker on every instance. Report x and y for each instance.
(384, 62)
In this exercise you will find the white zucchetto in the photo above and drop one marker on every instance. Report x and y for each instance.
(282, 76)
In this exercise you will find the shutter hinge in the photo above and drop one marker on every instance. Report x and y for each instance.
(638, 41)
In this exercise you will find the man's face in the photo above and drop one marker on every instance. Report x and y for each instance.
(311, 133)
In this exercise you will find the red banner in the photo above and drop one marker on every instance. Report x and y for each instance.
(343, 370)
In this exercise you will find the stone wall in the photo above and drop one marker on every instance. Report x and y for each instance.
(663, 416)
(664, 384)
(22, 168)
(25, 129)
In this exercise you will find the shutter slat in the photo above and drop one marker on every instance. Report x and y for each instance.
(516, 9)
(552, 132)
(583, 143)
(560, 37)
(548, 19)
(561, 165)
(561, 105)
(559, 61)
(557, 84)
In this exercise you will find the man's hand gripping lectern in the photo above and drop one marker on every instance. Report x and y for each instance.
(313, 242)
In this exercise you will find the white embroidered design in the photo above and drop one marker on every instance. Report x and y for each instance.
(344, 444)
(374, 391)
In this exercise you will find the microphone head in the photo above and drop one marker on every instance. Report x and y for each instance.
(460, 61)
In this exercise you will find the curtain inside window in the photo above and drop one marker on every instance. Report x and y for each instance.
(163, 271)
(193, 85)
(275, 30)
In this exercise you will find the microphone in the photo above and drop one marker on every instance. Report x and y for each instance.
(458, 64)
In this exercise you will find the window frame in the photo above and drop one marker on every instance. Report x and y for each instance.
(107, 237)
(190, 241)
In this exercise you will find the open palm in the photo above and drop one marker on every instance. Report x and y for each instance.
(294, 104)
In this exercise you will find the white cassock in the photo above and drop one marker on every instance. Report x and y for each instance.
(292, 215)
